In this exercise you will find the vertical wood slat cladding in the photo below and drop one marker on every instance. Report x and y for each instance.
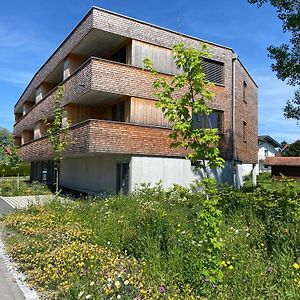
(145, 112)
(162, 58)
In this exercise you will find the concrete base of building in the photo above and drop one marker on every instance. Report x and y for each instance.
(100, 174)
(110, 174)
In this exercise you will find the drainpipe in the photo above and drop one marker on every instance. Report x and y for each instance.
(234, 59)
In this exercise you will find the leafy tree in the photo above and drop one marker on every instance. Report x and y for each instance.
(6, 141)
(294, 149)
(187, 111)
(5, 137)
(57, 133)
(287, 56)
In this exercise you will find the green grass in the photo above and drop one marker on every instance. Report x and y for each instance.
(13, 187)
(163, 245)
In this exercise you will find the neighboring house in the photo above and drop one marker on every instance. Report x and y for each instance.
(120, 138)
(267, 147)
(287, 166)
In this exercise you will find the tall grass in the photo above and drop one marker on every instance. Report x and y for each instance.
(153, 244)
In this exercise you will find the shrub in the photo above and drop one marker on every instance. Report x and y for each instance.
(8, 171)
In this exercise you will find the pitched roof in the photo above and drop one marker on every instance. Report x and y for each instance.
(267, 138)
(282, 161)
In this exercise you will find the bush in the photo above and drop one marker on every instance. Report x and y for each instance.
(8, 171)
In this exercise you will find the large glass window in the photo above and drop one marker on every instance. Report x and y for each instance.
(214, 120)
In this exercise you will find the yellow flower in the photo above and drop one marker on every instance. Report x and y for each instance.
(296, 266)
(230, 267)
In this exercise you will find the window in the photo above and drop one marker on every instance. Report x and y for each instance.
(122, 178)
(214, 120)
(120, 55)
(245, 91)
(118, 112)
(266, 152)
(214, 71)
(244, 131)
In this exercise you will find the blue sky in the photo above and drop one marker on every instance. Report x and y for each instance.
(30, 31)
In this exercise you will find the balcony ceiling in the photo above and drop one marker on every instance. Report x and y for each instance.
(97, 98)
(98, 43)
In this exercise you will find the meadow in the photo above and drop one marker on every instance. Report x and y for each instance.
(204, 242)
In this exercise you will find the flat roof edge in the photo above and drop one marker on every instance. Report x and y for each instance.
(161, 27)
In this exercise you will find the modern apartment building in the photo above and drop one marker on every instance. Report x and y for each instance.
(120, 139)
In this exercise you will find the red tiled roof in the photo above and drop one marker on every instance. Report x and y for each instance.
(8, 150)
(282, 161)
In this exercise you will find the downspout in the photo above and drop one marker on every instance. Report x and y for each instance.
(234, 59)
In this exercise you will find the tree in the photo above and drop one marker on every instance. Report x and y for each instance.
(287, 56)
(5, 137)
(6, 141)
(57, 133)
(187, 112)
(294, 149)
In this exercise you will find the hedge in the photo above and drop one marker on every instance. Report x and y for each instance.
(22, 170)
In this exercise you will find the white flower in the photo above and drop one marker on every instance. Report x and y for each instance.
(117, 284)
(92, 283)
(109, 280)
(126, 282)
(80, 295)
(108, 243)
(88, 297)
(119, 297)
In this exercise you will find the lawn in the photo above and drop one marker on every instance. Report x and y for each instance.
(212, 243)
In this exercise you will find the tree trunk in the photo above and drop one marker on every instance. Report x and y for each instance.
(56, 180)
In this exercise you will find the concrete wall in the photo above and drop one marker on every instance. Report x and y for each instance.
(94, 174)
(171, 171)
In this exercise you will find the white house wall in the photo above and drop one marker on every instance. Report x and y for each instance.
(171, 171)
(94, 174)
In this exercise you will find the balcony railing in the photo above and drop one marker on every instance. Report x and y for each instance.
(97, 136)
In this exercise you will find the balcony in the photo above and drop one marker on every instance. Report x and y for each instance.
(106, 137)
(96, 83)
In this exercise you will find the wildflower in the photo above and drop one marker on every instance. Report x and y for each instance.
(92, 283)
(117, 284)
(80, 294)
(119, 297)
(270, 269)
(126, 282)
(296, 266)
(162, 289)
(138, 298)
(88, 296)
(230, 267)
